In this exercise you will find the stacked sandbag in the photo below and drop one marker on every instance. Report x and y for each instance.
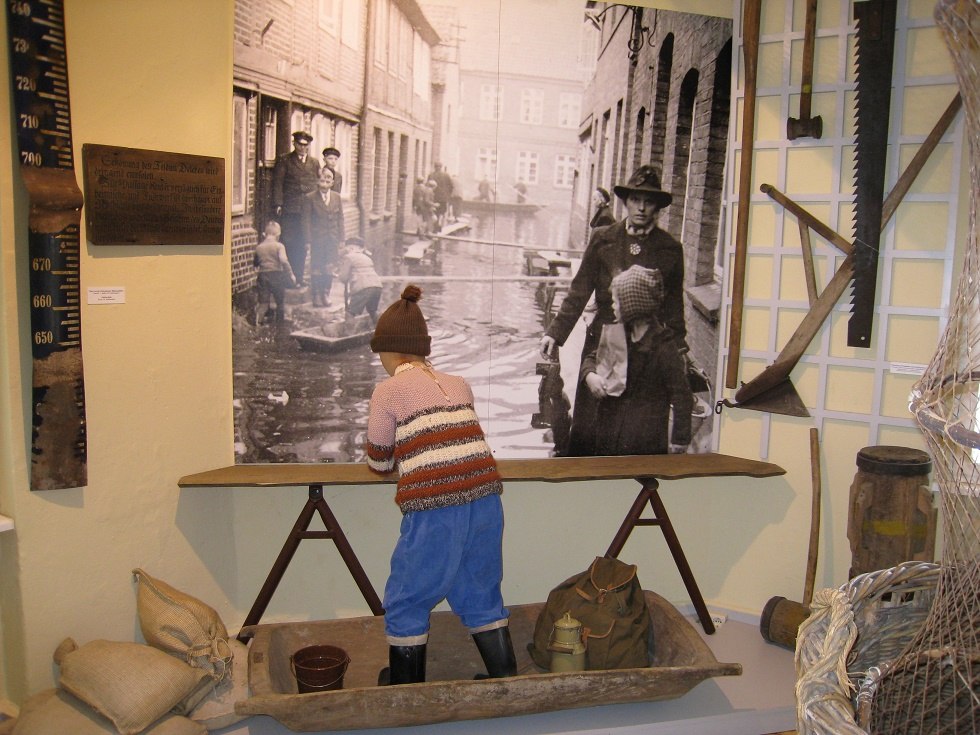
(190, 630)
(56, 712)
(184, 681)
(182, 625)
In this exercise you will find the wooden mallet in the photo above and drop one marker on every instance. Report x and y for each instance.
(781, 618)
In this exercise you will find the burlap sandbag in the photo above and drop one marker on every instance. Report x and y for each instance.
(56, 712)
(182, 625)
(131, 684)
(217, 709)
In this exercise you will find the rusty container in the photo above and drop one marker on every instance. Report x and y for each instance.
(891, 516)
(319, 668)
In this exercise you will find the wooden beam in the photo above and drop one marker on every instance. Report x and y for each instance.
(552, 469)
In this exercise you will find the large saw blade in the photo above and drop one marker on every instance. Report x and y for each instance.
(874, 46)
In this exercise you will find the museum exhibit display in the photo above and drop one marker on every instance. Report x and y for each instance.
(683, 267)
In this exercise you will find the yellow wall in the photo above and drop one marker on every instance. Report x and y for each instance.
(153, 75)
(157, 75)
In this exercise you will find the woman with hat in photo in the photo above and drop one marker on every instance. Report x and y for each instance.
(634, 240)
(602, 216)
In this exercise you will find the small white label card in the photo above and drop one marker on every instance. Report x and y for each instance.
(904, 368)
(107, 295)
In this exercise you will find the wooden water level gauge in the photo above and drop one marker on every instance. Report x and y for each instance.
(39, 73)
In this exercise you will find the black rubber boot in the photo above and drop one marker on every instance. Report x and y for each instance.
(497, 652)
(406, 664)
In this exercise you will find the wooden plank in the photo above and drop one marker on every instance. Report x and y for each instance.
(495, 243)
(417, 250)
(478, 278)
(556, 469)
(452, 228)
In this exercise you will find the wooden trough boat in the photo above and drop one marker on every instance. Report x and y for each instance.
(336, 336)
(682, 660)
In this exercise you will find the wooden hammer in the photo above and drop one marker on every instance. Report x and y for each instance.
(806, 126)
(781, 618)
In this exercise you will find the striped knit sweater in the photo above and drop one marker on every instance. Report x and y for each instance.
(423, 422)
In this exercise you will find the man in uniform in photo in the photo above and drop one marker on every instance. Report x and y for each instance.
(294, 177)
(331, 156)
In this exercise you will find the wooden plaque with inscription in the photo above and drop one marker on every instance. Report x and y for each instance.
(141, 197)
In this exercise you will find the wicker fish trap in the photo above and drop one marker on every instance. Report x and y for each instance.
(854, 633)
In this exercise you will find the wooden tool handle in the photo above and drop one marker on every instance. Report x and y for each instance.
(809, 38)
(919, 159)
(750, 46)
(811, 557)
(835, 239)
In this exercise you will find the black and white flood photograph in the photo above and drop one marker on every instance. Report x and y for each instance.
(550, 173)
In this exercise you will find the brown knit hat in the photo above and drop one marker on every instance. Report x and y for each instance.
(401, 328)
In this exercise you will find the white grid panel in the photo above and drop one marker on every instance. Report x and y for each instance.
(781, 39)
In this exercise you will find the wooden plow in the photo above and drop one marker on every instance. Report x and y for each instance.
(772, 390)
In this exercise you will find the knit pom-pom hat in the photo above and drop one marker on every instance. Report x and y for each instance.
(401, 328)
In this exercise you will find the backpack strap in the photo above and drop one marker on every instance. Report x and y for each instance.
(587, 633)
(603, 589)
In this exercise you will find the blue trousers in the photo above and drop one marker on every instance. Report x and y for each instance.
(451, 554)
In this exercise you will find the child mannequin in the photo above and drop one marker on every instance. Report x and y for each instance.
(423, 423)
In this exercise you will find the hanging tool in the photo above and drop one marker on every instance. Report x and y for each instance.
(39, 72)
(806, 126)
(781, 618)
(874, 46)
(772, 390)
(780, 395)
(750, 47)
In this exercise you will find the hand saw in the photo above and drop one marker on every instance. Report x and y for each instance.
(874, 46)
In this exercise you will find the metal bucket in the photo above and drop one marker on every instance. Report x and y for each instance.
(319, 668)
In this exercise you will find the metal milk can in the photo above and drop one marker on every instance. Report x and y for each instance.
(567, 649)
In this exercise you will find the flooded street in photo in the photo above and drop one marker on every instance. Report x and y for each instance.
(485, 319)
(525, 148)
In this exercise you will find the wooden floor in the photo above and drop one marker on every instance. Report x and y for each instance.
(760, 702)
